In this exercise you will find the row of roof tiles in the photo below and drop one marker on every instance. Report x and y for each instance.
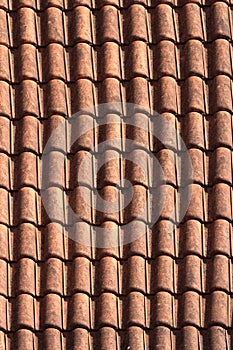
(192, 238)
(112, 61)
(23, 169)
(119, 277)
(205, 133)
(94, 4)
(80, 311)
(161, 337)
(165, 95)
(206, 205)
(84, 25)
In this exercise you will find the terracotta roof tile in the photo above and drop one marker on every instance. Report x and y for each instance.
(51, 306)
(107, 272)
(192, 26)
(4, 234)
(218, 337)
(220, 162)
(164, 289)
(163, 18)
(78, 337)
(107, 25)
(3, 269)
(137, 247)
(191, 238)
(5, 107)
(52, 338)
(169, 201)
(189, 305)
(194, 91)
(52, 19)
(23, 277)
(4, 33)
(81, 61)
(160, 337)
(104, 338)
(26, 63)
(219, 14)
(79, 21)
(219, 202)
(23, 311)
(196, 207)
(164, 59)
(79, 271)
(221, 237)
(23, 3)
(27, 210)
(25, 239)
(3, 306)
(82, 95)
(26, 170)
(24, 339)
(193, 130)
(5, 133)
(46, 3)
(135, 310)
(189, 337)
(163, 304)
(108, 57)
(136, 60)
(216, 318)
(5, 212)
(55, 56)
(53, 243)
(80, 230)
(79, 311)
(136, 26)
(25, 29)
(163, 240)
(198, 165)
(223, 101)
(220, 48)
(30, 106)
(135, 338)
(193, 58)
(5, 63)
(5, 175)
(134, 275)
(107, 241)
(161, 274)
(110, 91)
(55, 95)
(106, 311)
(166, 94)
(53, 271)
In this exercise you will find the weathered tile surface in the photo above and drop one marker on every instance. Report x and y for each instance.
(167, 290)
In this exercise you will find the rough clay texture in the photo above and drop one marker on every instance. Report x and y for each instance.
(167, 290)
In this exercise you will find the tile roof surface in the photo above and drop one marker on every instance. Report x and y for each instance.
(166, 290)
